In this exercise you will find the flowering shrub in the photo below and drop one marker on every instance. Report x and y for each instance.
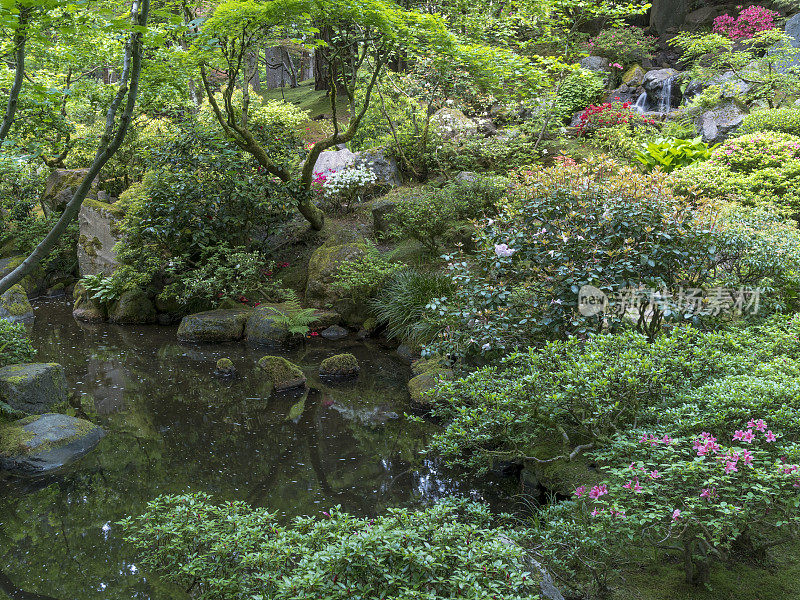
(341, 189)
(783, 120)
(609, 114)
(625, 45)
(755, 169)
(230, 550)
(699, 494)
(749, 22)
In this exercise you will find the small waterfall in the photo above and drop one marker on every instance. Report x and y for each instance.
(665, 100)
(641, 103)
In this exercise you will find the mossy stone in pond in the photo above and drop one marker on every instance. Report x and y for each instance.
(221, 325)
(340, 366)
(262, 328)
(85, 308)
(423, 365)
(283, 374)
(225, 368)
(323, 266)
(133, 307)
(42, 443)
(419, 386)
(15, 307)
(33, 388)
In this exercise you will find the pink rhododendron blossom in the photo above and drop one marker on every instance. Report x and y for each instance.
(770, 436)
(654, 475)
(747, 458)
(597, 491)
(748, 436)
(580, 491)
(676, 514)
(503, 250)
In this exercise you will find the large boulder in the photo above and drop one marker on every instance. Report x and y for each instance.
(331, 161)
(33, 388)
(420, 386)
(717, 124)
(339, 366)
(98, 232)
(633, 77)
(34, 283)
(133, 307)
(385, 167)
(668, 14)
(59, 188)
(334, 333)
(452, 123)
(222, 325)
(15, 307)
(730, 85)
(661, 83)
(264, 328)
(793, 31)
(381, 214)
(283, 374)
(323, 265)
(702, 17)
(43, 443)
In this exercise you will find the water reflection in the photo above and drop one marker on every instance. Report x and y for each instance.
(174, 427)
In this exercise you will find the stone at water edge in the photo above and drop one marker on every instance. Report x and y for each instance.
(654, 83)
(85, 308)
(33, 388)
(339, 366)
(42, 443)
(98, 233)
(262, 329)
(334, 333)
(15, 307)
(283, 374)
(221, 325)
(225, 368)
(419, 386)
(132, 308)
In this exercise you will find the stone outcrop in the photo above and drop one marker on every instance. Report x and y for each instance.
(15, 307)
(339, 366)
(133, 307)
(221, 325)
(33, 388)
(284, 375)
(717, 124)
(97, 234)
(59, 188)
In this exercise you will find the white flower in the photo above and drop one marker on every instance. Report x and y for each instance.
(503, 250)
(486, 347)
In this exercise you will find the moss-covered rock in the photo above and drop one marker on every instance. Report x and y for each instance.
(562, 476)
(15, 307)
(85, 308)
(33, 283)
(322, 266)
(221, 325)
(419, 386)
(33, 388)
(339, 366)
(60, 186)
(133, 307)
(334, 333)
(423, 365)
(225, 368)
(263, 329)
(43, 443)
(283, 374)
(98, 233)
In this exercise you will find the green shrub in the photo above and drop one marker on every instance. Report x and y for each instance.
(783, 120)
(15, 347)
(671, 154)
(624, 45)
(362, 277)
(579, 90)
(401, 304)
(755, 169)
(451, 549)
(499, 154)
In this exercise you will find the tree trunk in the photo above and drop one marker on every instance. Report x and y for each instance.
(306, 66)
(20, 37)
(276, 69)
(109, 143)
(290, 70)
(254, 71)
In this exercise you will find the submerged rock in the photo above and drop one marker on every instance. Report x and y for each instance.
(43, 443)
(334, 333)
(33, 388)
(225, 368)
(133, 307)
(283, 374)
(340, 366)
(222, 325)
(15, 307)
(85, 308)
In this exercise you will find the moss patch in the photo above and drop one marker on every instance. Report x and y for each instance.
(13, 438)
(283, 374)
(419, 387)
(340, 366)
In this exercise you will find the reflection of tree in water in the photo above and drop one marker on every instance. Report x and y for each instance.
(16, 593)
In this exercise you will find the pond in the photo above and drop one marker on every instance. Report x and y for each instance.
(174, 427)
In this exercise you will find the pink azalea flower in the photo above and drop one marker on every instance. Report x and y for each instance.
(706, 493)
(655, 475)
(748, 436)
(771, 436)
(761, 425)
(580, 491)
(676, 514)
(738, 435)
(597, 491)
(747, 458)
(730, 467)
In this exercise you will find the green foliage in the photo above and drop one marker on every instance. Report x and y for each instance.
(401, 304)
(15, 347)
(579, 90)
(755, 169)
(783, 120)
(451, 548)
(670, 154)
(431, 212)
(624, 45)
(362, 277)
(513, 149)
(292, 316)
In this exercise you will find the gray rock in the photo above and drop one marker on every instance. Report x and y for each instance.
(323, 265)
(465, 176)
(222, 325)
(633, 77)
(133, 307)
(452, 123)
(668, 14)
(334, 333)
(48, 442)
(595, 63)
(225, 368)
(701, 17)
(385, 167)
(33, 388)
(731, 86)
(97, 234)
(381, 211)
(261, 328)
(283, 374)
(717, 124)
(793, 31)
(59, 188)
(331, 161)
(85, 308)
(406, 353)
(15, 307)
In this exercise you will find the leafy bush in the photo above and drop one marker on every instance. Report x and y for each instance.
(671, 154)
(402, 301)
(755, 169)
(579, 90)
(450, 549)
(362, 277)
(342, 189)
(15, 347)
(783, 120)
(625, 45)
(431, 212)
(499, 154)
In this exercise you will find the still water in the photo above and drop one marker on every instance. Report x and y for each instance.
(173, 427)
